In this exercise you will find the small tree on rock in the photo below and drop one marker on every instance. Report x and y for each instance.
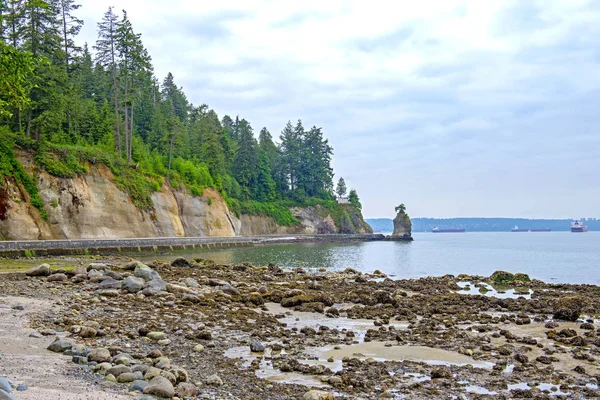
(401, 208)
(341, 188)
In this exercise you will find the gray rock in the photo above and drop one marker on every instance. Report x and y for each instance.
(191, 283)
(138, 376)
(97, 266)
(22, 388)
(6, 396)
(133, 284)
(228, 289)
(185, 389)
(99, 355)
(109, 283)
(160, 387)
(40, 270)
(256, 346)
(115, 275)
(138, 385)
(57, 278)
(60, 345)
(36, 335)
(95, 276)
(157, 284)
(119, 369)
(79, 360)
(146, 273)
(5, 385)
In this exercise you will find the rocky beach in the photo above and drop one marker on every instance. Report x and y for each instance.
(189, 328)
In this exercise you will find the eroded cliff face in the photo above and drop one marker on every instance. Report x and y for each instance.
(91, 206)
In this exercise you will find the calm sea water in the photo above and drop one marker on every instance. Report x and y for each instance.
(552, 257)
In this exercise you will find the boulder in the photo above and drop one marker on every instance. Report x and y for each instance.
(157, 285)
(568, 308)
(160, 387)
(133, 284)
(214, 380)
(60, 345)
(256, 346)
(40, 270)
(180, 262)
(109, 283)
(97, 267)
(138, 385)
(146, 273)
(99, 355)
(185, 389)
(57, 278)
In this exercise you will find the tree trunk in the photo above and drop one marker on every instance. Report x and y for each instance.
(131, 134)
(64, 18)
(28, 132)
(126, 132)
(117, 113)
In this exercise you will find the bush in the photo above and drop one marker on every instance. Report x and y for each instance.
(276, 210)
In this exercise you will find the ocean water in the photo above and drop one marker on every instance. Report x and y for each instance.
(555, 257)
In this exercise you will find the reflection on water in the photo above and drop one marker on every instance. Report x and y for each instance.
(551, 257)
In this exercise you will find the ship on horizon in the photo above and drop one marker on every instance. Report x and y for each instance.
(578, 227)
(448, 230)
(517, 229)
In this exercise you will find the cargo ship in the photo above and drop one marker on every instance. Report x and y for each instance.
(448, 230)
(578, 226)
(517, 229)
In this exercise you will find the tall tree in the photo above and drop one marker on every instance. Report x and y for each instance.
(71, 25)
(107, 56)
(354, 200)
(291, 148)
(245, 161)
(316, 176)
(340, 189)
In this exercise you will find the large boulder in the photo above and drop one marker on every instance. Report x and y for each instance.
(60, 345)
(99, 355)
(568, 308)
(146, 273)
(160, 387)
(133, 284)
(40, 270)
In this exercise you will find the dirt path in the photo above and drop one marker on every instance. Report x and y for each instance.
(25, 359)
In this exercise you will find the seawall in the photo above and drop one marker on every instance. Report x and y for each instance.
(13, 249)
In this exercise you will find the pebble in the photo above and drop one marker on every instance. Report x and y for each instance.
(138, 385)
(199, 348)
(22, 388)
(156, 335)
(214, 380)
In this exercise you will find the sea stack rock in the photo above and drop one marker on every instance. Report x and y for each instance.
(402, 224)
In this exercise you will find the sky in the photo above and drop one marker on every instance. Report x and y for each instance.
(453, 107)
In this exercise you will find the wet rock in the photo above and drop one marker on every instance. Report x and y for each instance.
(57, 278)
(115, 275)
(160, 387)
(180, 262)
(256, 346)
(317, 395)
(551, 325)
(156, 284)
(568, 308)
(131, 265)
(567, 333)
(60, 345)
(522, 358)
(99, 355)
(40, 270)
(577, 341)
(579, 369)
(544, 359)
(22, 388)
(191, 283)
(262, 289)
(185, 389)
(441, 373)
(133, 284)
(214, 380)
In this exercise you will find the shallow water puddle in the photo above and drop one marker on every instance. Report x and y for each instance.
(380, 352)
(490, 291)
(553, 389)
(301, 319)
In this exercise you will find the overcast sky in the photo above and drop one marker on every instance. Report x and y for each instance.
(456, 108)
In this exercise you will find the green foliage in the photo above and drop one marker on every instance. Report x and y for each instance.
(139, 186)
(16, 71)
(400, 209)
(340, 189)
(276, 210)
(354, 200)
(10, 167)
(65, 165)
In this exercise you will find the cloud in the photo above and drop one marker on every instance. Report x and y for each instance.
(461, 107)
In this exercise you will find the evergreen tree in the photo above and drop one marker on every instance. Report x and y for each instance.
(264, 189)
(71, 26)
(316, 178)
(341, 188)
(107, 56)
(245, 161)
(354, 200)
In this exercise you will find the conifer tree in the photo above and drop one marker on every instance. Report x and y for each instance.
(341, 188)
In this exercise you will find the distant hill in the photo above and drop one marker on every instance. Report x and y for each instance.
(482, 224)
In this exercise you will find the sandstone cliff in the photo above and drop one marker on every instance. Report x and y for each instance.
(91, 206)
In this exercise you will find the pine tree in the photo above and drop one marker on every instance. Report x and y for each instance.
(107, 56)
(245, 161)
(71, 26)
(341, 188)
(354, 200)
